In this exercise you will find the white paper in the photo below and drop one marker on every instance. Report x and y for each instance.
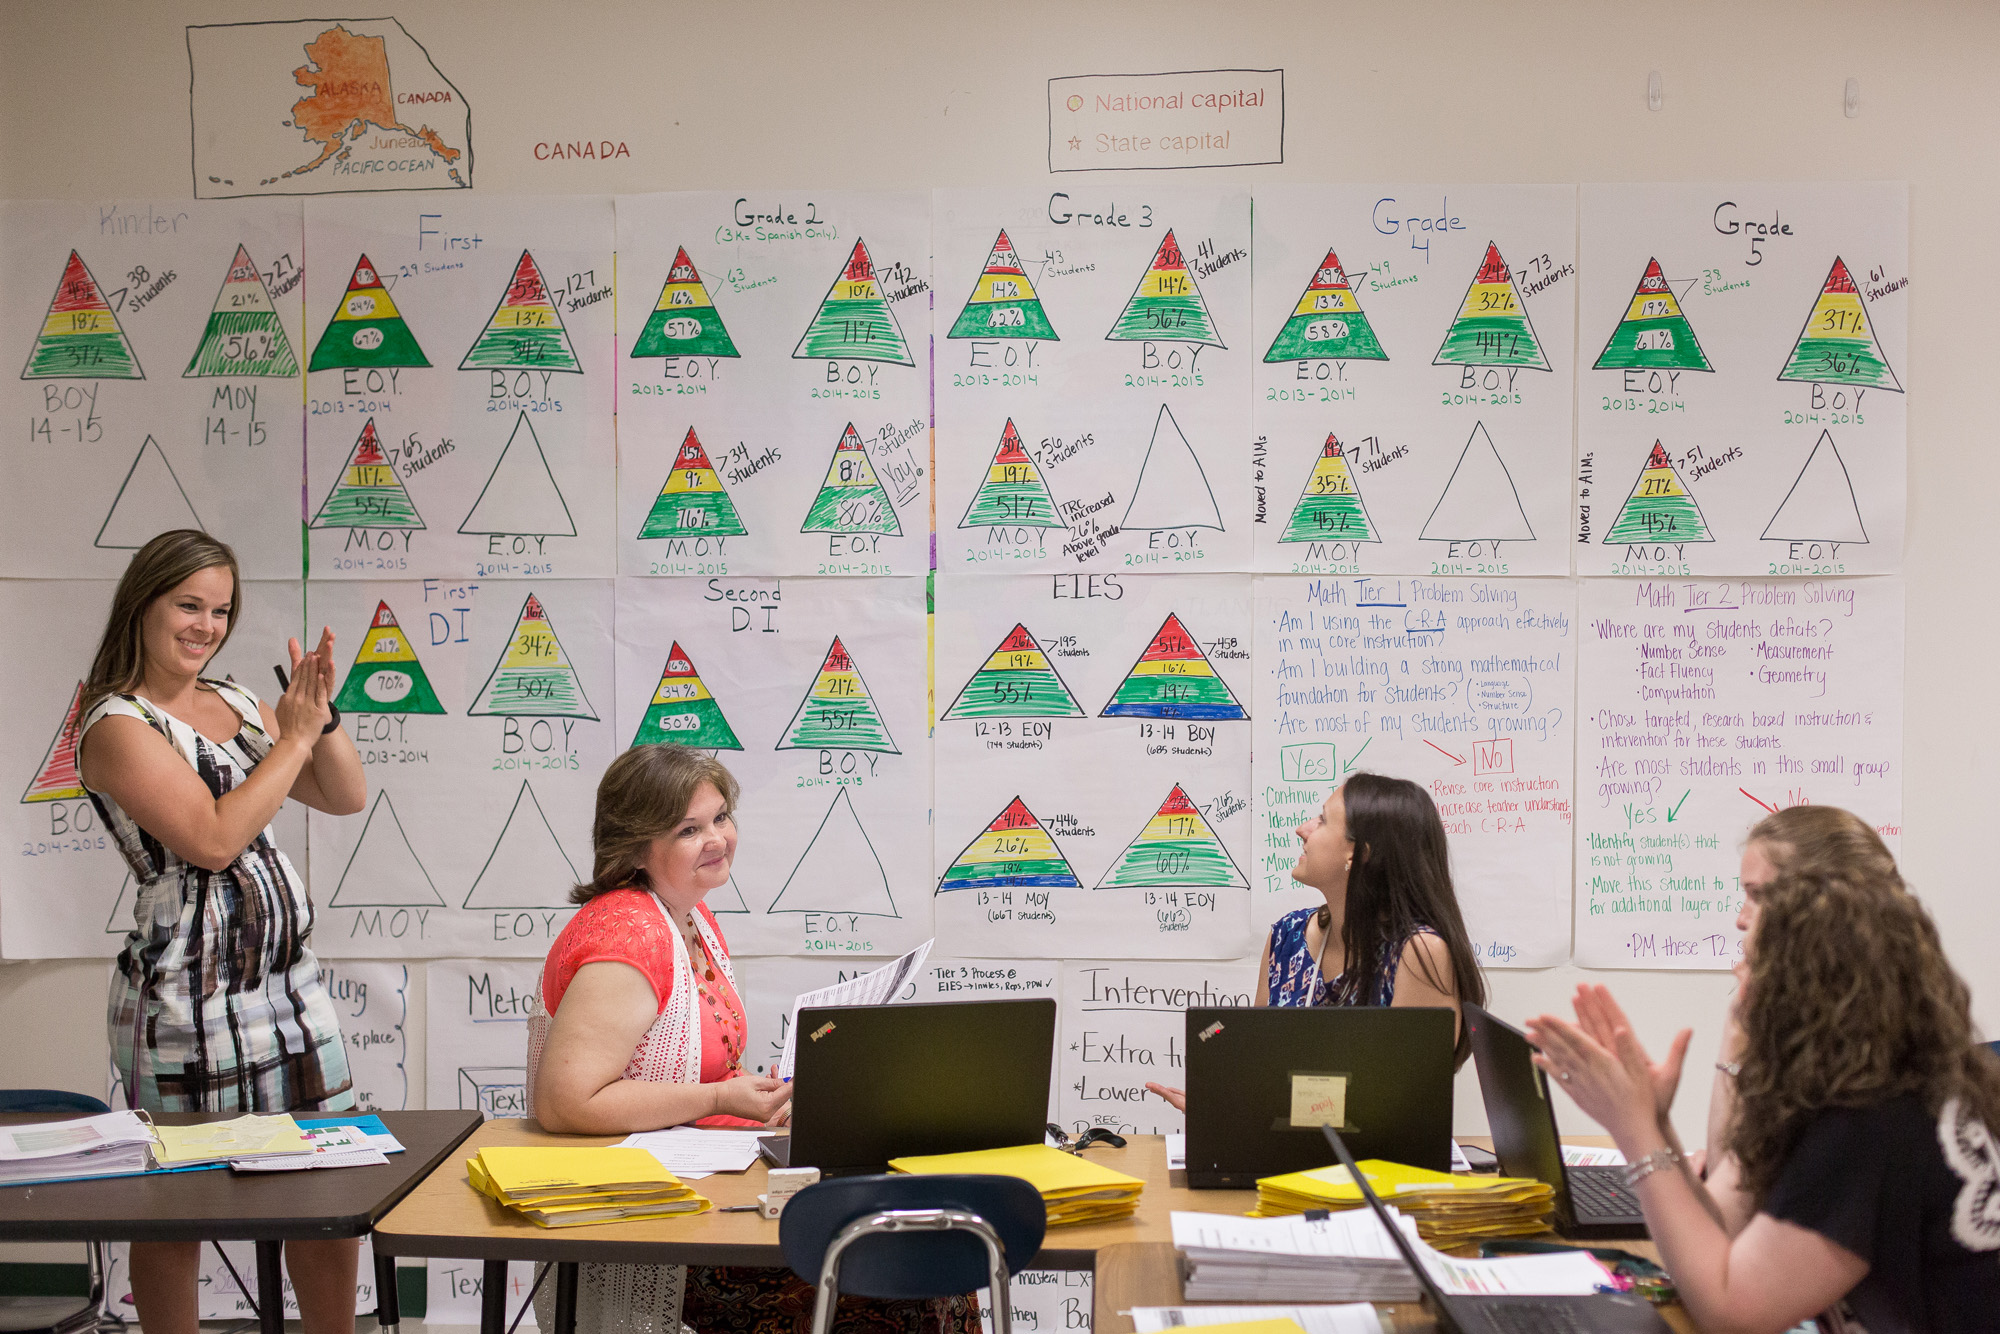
(1707, 705)
(1459, 1162)
(1553, 1274)
(1124, 1025)
(220, 1298)
(767, 986)
(1049, 1301)
(1577, 1155)
(880, 987)
(452, 1290)
(1771, 380)
(690, 1153)
(1464, 686)
(1449, 399)
(42, 1140)
(1177, 1151)
(1344, 1318)
(476, 1034)
(373, 1003)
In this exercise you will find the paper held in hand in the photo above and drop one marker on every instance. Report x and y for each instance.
(880, 987)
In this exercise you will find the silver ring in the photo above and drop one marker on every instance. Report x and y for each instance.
(1563, 1076)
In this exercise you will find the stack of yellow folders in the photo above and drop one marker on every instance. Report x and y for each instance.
(568, 1187)
(1073, 1188)
(1448, 1209)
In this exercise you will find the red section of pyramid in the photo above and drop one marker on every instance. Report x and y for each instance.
(1839, 279)
(1172, 644)
(527, 287)
(1658, 458)
(77, 290)
(692, 455)
(1168, 256)
(1016, 816)
(678, 663)
(533, 610)
(1003, 259)
(1330, 274)
(849, 439)
(837, 659)
(241, 270)
(368, 450)
(384, 618)
(365, 276)
(1492, 269)
(1010, 450)
(683, 269)
(1018, 640)
(1177, 803)
(1654, 281)
(1332, 450)
(58, 772)
(858, 266)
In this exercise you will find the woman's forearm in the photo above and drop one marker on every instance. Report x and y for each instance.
(625, 1106)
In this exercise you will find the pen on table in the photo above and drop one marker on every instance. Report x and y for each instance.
(739, 1209)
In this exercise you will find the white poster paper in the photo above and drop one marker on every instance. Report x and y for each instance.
(476, 1034)
(453, 1291)
(1740, 392)
(1463, 686)
(1705, 706)
(373, 1003)
(1046, 1301)
(220, 1298)
(1124, 1025)
(1415, 357)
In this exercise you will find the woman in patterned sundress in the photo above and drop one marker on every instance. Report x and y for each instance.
(216, 1003)
(1377, 854)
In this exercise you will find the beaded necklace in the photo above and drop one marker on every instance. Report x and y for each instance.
(728, 1015)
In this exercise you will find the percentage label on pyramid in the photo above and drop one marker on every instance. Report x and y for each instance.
(1166, 305)
(684, 322)
(854, 320)
(528, 867)
(1654, 333)
(386, 676)
(367, 494)
(1173, 678)
(384, 871)
(520, 498)
(1820, 507)
(693, 502)
(683, 711)
(366, 331)
(1330, 507)
(1838, 343)
(1012, 851)
(1003, 303)
(1172, 489)
(1492, 328)
(839, 871)
(81, 338)
(1016, 681)
(851, 499)
(150, 501)
(244, 335)
(525, 330)
(1479, 502)
(1014, 493)
(534, 678)
(1176, 847)
(837, 711)
(56, 778)
(1327, 322)
(1660, 509)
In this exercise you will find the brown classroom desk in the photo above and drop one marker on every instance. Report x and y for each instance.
(1133, 1257)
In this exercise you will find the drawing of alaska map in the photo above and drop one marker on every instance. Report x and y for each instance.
(322, 106)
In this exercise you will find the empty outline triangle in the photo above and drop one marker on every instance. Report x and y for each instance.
(1821, 506)
(1172, 490)
(520, 498)
(1464, 512)
(382, 879)
(528, 876)
(157, 504)
(839, 871)
(731, 897)
(112, 925)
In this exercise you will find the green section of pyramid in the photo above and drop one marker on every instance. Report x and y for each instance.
(367, 507)
(1016, 693)
(710, 338)
(1050, 873)
(1148, 691)
(711, 730)
(861, 329)
(1359, 343)
(1027, 504)
(96, 356)
(1624, 353)
(551, 691)
(1180, 318)
(1178, 861)
(1840, 361)
(1491, 340)
(825, 515)
(851, 724)
(1329, 518)
(243, 342)
(693, 514)
(521, 349)
(337, 349)
(1659, 519)
(358, 693)
(982, 319)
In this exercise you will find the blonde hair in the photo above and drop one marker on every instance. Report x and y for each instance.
(643, 795)
(157, 568)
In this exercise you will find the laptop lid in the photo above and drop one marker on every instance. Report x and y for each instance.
(875, 1082)
(1401, 1242)
(1261, 1081)
(1515, 1090)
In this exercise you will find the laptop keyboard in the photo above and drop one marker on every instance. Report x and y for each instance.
(1529, 1318)
(1601, 1194)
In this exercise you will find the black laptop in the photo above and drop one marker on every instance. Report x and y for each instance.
(1590, 1201)
(875, 1082)
(1601, 1313)
(1260, 1082)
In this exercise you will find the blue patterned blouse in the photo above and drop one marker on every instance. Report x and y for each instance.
(1294, 977)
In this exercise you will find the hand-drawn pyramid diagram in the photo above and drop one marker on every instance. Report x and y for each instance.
(1172, 490)
(727, 899)
(527, 867)
(1659, 508)
(837, 712)
(56, 778)
(851, 500)
(1479, 503)
(1837, 345)
(1166, 305)
(854, 320)
(386, 676)
(1014, 492)
(684, 322)
(533, 678)
(1012, 851)
(244, 335)
(1017, 681)
(1654, 332)
(520, 498)
(1492, 328)
(1327, 322)
(1177, 847)
(1820, 507)
(150, 501)
(368, 494)
(384, 871)
(80, 338)
(839, 871)
(1330, 508)
(367, 330)
(525, 331)
(693, 502)
(1173, 679)
(1003, 303)
(119, 921)
(683, 712)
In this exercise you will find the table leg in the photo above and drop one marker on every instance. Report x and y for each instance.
(565, 1298)
(270, 1288)
(493, 1298)
(388, 1303)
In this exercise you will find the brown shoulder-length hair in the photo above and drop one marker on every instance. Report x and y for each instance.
(1826, 838)
(156, 570)
(645, 793)
(1850, 1002)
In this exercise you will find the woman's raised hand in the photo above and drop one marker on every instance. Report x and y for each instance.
(1177, 1098)
(752, 1097)
(302, 710)
(1600, 1016)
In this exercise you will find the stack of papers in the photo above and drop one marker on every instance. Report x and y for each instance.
(567, 1187)
(1348, 1318)
(690, 1153)
(353, 1141)
(888, 983)
(113, 1144)
(1073, 1188)
(240, 1139)
(1449, 1210)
